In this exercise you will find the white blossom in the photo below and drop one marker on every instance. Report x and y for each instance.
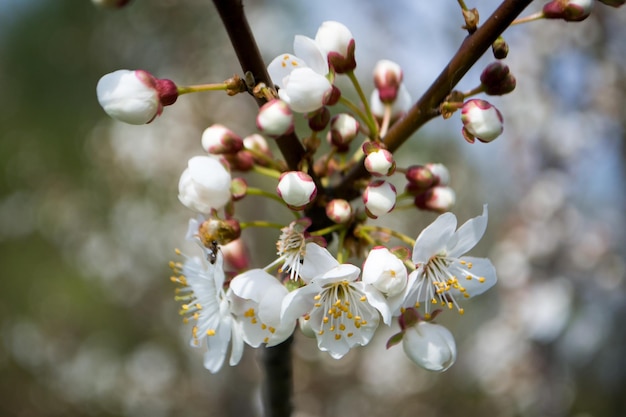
(204, 185)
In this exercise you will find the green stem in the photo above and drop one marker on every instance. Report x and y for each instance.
(400, 236)
(529, 18)
(201, 87)
(370, 121)
(327, 230)
(260, 223)
(268, 172)
(354, 109)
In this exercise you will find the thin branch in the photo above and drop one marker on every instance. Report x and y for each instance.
(472, 48)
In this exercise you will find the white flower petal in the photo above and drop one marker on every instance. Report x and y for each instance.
(281, 67)
(308, 50)
(317, 260)
(342, 272)
(429, 345)
(434, 238)
(482, 275)
(469, 234)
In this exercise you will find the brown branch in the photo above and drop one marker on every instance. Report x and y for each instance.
(472, 48)
(236, 24)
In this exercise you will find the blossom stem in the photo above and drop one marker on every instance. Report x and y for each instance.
(370, 121)
(476, 90)
(201, 87)
(386, 119)
(472, 48)
(263, 193)
(266, 158)
(354, 108)
(268, 172)
(462, 4)
(327, 230)
(529, 18)
(260, 223)
(400, 236)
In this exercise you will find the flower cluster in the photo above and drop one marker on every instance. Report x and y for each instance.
(336, 302)
(339, 298)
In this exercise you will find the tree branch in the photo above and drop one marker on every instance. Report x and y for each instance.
(472, 48)
(245, 46)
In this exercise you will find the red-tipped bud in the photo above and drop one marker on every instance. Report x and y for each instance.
(275, 118)
(236, 255)
(438, 199)
(497, 79)
(419, 178)
(481, 121)
(218, 140)
(387, 79)
(379, 162)
(339, 210)
(441, 175)
(238, 188)
(568, 10)
(134, 97)
(379, 198)
(337, 42)
(258, 147)
(297, 189)
(343, 129)
(318, 120)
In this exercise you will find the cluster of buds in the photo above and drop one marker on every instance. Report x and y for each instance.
(339, 304)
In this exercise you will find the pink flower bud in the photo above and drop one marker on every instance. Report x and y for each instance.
(297, 189)
(379, 198)
(441, 174)
(568, 10)
(420, 178)
(204, 185)
(343, 129)
(380, 163)
(438, 199)
(134, 97)
(497, 79)
(236, 255)
(387, 79)
(318, 119)
(481, 121)
(400, 106)
(339, 210)
(275, 118)
(336, 41)
(218, 139)
(259, 149)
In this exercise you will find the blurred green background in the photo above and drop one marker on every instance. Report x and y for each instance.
(89, 216)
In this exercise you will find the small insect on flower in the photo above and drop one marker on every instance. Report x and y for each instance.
(212, 255)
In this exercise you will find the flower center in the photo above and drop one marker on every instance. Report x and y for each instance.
(340, 304)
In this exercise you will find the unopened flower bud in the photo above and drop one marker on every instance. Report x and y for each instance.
(481, 120)
(379, 198)
(258, 147)
(218, 139)
(333, 96)
(238, 188)
(500, 48)
(134, 97)
(385, 271)
(430, 346)
(204, 185)
(297, 189)
(114, 4)
(440, 172)
(379, 162)
(343, 129)
(400, 106)
(568, 10)
(236, 255)
(387, 79)
(275, 118)
(438, 199)
(240, 161)
(318, 120)
(419, 178)
(337, 42)
(497, 79)
(339, 210)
